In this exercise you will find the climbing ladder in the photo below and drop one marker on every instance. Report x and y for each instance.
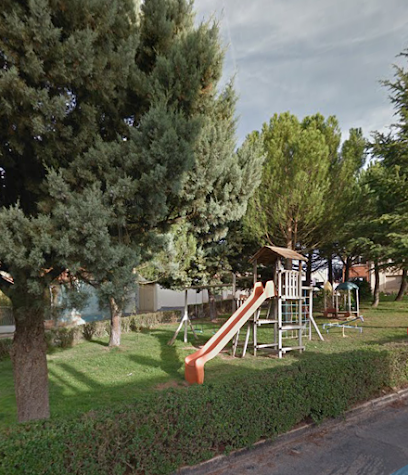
(289, 313)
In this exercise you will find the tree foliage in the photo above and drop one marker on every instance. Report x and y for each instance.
(392, 186)
(64, 72)
(115, 145)
(289, 205)
(226, 178)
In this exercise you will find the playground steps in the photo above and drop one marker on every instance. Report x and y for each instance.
(290, 348)
(293, 327)
(265, 322)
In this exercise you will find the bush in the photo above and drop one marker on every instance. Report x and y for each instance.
(161, 432)
(5, 347)
(64, 337)
(364, 288)
(89, 330)
(98, 329)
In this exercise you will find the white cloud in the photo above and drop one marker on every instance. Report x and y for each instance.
(311, 56)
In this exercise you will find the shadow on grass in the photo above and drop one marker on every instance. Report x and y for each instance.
(73, 391)
(99, 342)
(398, 340)
(396, 309)
(169, 361)
(377, 327)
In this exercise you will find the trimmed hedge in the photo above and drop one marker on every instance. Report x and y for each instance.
(159, 433)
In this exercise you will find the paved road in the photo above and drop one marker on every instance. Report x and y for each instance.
(373, 442)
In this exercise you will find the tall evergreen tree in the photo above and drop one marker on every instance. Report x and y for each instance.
(64, 70)
(289, 205)
(223, 181)
(112, 141)
(392, 150)
(308, 189)
(178, 167)
(368, 232)
(343, 206)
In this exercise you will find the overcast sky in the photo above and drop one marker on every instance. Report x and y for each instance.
(308, 56)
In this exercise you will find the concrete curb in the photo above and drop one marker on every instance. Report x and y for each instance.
(282, 440)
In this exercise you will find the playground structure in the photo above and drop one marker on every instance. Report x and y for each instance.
(289, 312)
(344, 308)
(342, 301)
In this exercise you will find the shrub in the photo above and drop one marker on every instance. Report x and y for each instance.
(364, 288)
(5, 347)
(63, 337)
(163, 431)
(88, 330)
(98, 329)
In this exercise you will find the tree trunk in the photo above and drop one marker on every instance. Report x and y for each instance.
(403, 286)
(376, 294)
(347, 269)
(212, 304)
(309, 269)
(289, 245)
(29, 358)
(234, 292)
(289, 235)
(116, 314)
(294, 235)
(330, 269)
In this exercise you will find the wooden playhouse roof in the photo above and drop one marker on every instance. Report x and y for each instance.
(268, 255)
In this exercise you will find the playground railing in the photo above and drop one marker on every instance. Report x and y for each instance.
(291, 284)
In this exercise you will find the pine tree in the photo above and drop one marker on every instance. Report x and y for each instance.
(367, 231)
(64, 70)
(289, 206)
(223, 180)
(115, 143)
(177, 162)
(344, 202)
(392, 150)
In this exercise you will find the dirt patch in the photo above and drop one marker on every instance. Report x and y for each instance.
(218, 320)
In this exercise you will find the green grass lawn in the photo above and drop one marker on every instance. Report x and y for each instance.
(91, 375)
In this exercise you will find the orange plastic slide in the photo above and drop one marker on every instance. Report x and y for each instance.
(194, 364)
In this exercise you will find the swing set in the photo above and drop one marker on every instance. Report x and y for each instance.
(185, 319)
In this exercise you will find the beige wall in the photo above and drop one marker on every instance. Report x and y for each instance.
(148, 298)
(390, 280)
(392, 283)
(152, 297)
